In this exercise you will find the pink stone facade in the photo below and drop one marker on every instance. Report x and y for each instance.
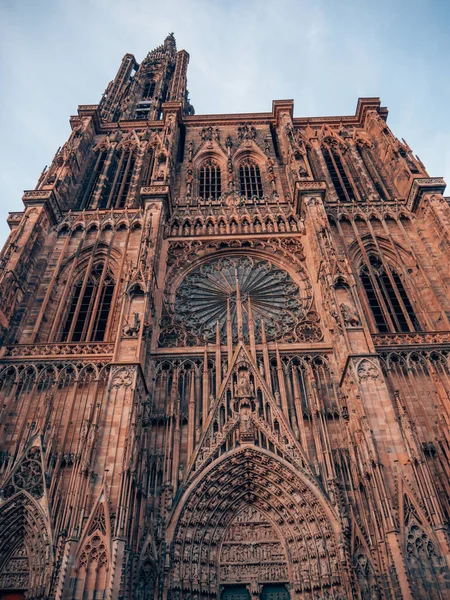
(224, 357)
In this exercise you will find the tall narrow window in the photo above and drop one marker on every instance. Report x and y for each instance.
(373, 173)
(90, 187)
(149, 88)
(387, 298)
(147, 167)
(89, 308)
(210, 184)
(338, 176)
(250, 180)
(115, 192)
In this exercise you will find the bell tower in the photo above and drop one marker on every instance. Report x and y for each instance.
(139, 90)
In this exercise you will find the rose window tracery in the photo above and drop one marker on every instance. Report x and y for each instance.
(221, 290)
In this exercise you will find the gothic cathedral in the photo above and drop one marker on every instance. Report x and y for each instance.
(224, 359)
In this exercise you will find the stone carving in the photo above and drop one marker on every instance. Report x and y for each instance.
(212, 289)
(250, 533)
(122, 378)
(47, 350)
(28, 476)
(350, 318)
(94, 551)
(246, 132)
(25, 551)
(240, 447)
(367, 370)
(132, 330)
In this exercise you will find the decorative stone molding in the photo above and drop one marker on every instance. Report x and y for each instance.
(367, 370)
(421, 186)
(411, 339)
(46, 350)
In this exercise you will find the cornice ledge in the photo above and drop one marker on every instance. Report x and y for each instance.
(421, 186)
(45, 198)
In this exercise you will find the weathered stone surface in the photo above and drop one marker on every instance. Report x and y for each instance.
(224, 357)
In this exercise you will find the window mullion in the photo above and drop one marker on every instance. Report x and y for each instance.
(385, 307)
(88, 316)
(371, 301)
(208, 182)
(98, 295)
(398, 295)
(390, 307)
(388, 273)
(116, 175)
(80, 299)
(123, 182)
(92, 181)
(338, 173)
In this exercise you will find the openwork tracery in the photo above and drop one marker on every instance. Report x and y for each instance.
(215, 292)
(387, 297)
(88, 313)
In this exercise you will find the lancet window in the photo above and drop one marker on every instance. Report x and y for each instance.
(387, 298)
(88, 191)
(149, 88)
(89, 308)
(338, 175)
(376, 178)
(117, 186)
(250, 180)
(210, 184)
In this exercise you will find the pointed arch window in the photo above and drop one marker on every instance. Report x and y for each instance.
(250, 180)
(374, 174)
(210, 182)
(338, 175)
(118, 180)
(149, 88)
(89, 308)
(90, 187)
(387, 298)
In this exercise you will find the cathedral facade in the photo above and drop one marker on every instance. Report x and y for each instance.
(224, 357)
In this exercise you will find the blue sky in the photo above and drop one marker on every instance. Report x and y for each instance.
(56, 54)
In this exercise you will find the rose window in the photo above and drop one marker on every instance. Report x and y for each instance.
(217, 291)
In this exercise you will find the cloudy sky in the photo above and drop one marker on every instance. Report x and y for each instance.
(56, 54)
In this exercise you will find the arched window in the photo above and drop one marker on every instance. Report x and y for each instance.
(210, 184)
(89, 307)
(117, 185)
(91, 181)
(250, 180)
(374, 174)
(338, 176)
(149, 88)
(387, 297)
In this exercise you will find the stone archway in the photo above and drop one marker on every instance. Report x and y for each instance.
(25, 548)
(301, 529)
